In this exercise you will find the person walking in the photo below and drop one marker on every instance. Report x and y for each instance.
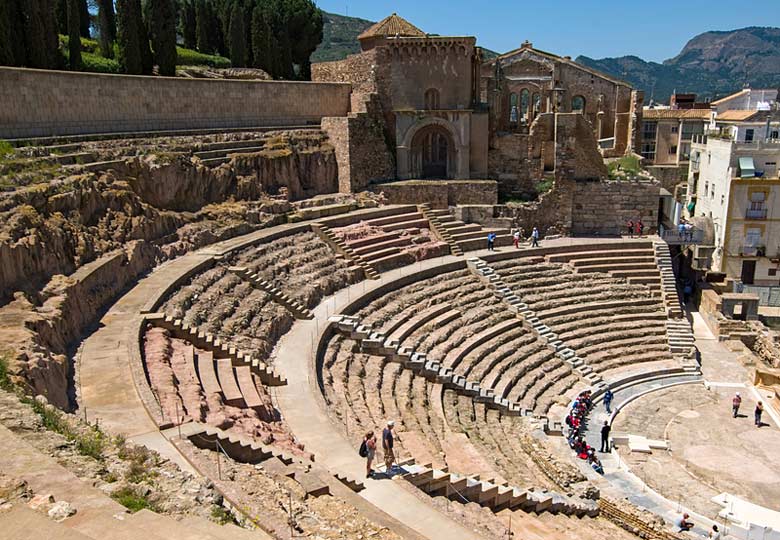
(491, 239)
(387, 446)
(715, 533)
(758, 412)
(535, 237)
(368, 451)
(605, 429)
(516, 238)
(736, 401)
(640, 228)
(630, 228)
(608, 397)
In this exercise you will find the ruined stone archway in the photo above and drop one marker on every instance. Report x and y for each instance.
(432, 152)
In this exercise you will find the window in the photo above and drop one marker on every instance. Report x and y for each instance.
(649, 130)
(775, 134)
(772, 272)
(525, 102)
(432, 99)
(537, 104)
(675, 129)
(648, 150)
(673, 149)
(513, 108)
(578, 104)
(749, 133)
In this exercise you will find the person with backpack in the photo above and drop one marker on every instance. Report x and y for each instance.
(368, 450)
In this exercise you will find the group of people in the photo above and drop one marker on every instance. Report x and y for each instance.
(758, 412)
(575, 421)
(685, 230)
(368, 449)
(517, 237)
(637, 228)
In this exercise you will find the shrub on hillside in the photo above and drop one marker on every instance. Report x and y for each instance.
(188, 57)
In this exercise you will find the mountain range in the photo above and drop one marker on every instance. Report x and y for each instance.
(712, 64)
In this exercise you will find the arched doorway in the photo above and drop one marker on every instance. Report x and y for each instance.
(432, 150)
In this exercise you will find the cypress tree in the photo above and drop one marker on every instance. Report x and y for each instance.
(61, 12)
(163, 25)
(84, 19)
(128, 37)
(261, 40)
(189, 24)
(147, 59)
(16, 36)
(202, 24)
(7, 57)
(74, 35)
(107, 27)
(237, 36)
(40, 34)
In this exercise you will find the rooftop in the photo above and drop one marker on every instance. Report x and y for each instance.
(688, 114)
(737, 115)
(392, 26)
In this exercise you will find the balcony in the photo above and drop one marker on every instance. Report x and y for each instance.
(688, 237)
(752, 251)
(755, 213)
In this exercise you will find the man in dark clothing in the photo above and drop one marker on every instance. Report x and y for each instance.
(387, 445)
(605, 429)
(608, 396)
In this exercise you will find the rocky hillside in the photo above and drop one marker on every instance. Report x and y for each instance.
(711, 64)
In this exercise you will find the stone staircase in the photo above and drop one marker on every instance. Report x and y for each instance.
(492, 494)
(469, 237)
(373, 342)
(681, 340)
(669, 291)
(632, 520)
(210, 343)
(440, 230)
(341, 248)
(503, 292)
(298, 310)
(246, 450)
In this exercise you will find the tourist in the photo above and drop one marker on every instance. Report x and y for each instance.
(368, 451)
(491, 240)
(516, 238)
(608, 397)
(640, 228)
(596, 464)
(715, 533)
(605, 429)
(688, 232)
(683, 524)
(630, 228)
(735, 403)
(758, 412)
(387, 446)
(535, 237)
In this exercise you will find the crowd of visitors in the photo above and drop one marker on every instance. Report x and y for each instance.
(637, 228)
(575, 421)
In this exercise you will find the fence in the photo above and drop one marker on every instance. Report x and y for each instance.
(767, 295)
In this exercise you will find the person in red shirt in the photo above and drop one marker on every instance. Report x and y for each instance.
(735, 403)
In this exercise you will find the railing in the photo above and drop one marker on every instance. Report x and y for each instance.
(755, 213)
(767, 295)
(752, 251)
(688, 237)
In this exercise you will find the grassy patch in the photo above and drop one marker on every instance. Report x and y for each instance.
(5, 377)
(545, 185)
(91, 443)
(627, 166)
(221, 515)
(133, 500)
(188, 57)
(6, 149)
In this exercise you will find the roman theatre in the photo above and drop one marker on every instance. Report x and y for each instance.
(245, 277)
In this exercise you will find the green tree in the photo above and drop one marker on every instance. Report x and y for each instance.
(188, 24)
(202, 24)
(106, 27)
(147, 58)
(163, 25)
(262, 40)
(61, 12)
(84, 19)
(129, 29)
(74, 35)
(7, 21)
(304, 25)
(238, 37)
(41, 41)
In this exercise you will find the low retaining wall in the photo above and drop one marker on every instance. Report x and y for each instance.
(439, 193)
(40, 103)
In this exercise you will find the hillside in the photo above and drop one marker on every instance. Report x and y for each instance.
(339, 37)
(711, 64)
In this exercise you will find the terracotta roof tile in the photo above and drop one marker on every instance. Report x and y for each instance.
(392, 26)
(736, 114)
(661, 114)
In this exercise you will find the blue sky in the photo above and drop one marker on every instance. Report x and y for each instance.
(651, 30)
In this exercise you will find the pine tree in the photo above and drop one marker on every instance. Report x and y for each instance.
(163, 26)
(238, 39)
(128, 37)
(84, 19)
(189, 24)
(107, 27)
(202, 24)
(74, 35)
(305, 28)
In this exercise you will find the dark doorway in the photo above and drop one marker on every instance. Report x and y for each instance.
(748, 272)
(431, 150)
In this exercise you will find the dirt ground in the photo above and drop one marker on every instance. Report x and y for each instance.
(710, 451)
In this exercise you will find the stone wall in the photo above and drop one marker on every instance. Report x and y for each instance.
(669, 176)
(38, 103)
(359, 70)
(605, 207)
(440, 193)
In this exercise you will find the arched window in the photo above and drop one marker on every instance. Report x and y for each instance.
(578, 104)
(537, 103)
(525, 102)
(513, 108)
(431, 99)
